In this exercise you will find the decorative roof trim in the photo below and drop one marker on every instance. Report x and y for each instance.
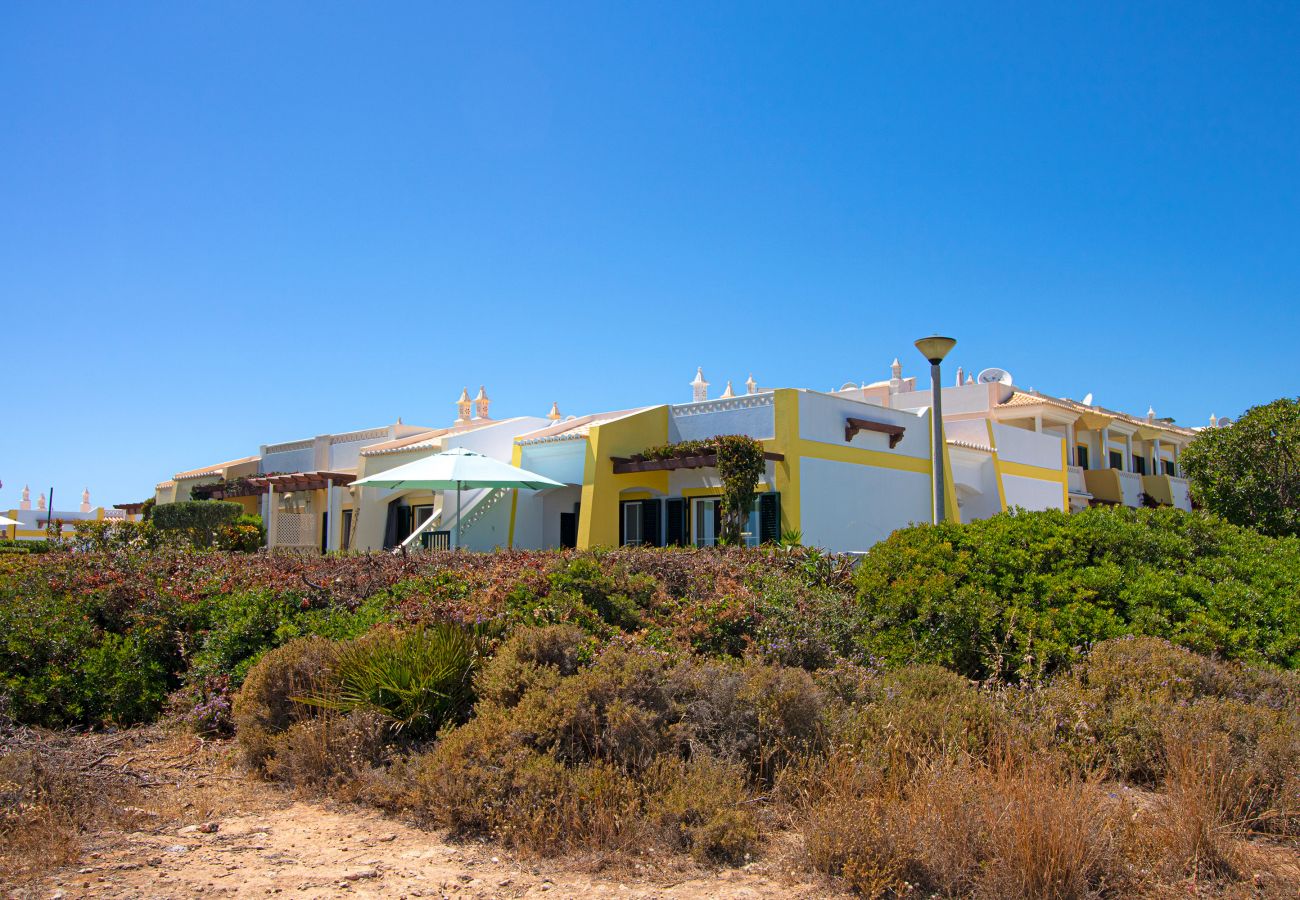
(723, 404)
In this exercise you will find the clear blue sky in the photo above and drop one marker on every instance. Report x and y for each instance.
(228, 224)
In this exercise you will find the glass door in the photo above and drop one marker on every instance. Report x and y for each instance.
(706, 520)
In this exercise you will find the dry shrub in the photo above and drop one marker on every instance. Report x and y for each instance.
(532, 657)
(763, 716)
(700, 806)
(266, 704)
(1114, 709)
(331, 752)
(921, 712)
(52, 789)
(955, 825)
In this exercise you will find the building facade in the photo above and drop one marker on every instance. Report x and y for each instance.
(842, 470)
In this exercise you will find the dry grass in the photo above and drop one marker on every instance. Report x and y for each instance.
(967, 827)
(53, 789)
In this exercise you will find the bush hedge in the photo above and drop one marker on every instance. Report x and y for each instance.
(199, 520)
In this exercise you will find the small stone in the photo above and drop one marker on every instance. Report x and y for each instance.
(176, 848)
(496, 859)
(385, 838)
(188, 829)
(85, 871)
(209, 827)
(546, 885)
(504, 882)
(359, 874)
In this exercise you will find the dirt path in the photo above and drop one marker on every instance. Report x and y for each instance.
(230, 836)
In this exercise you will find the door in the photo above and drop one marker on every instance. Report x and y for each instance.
(569, 529)
(707, 513)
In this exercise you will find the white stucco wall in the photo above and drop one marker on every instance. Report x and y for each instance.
(302, 460)
(822, 417)
(562, 461)
(752, 414)
(850, 507)
(975, 480)
(1020, 445)
(1032, 493)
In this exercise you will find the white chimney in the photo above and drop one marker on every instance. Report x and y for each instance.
(699, 387)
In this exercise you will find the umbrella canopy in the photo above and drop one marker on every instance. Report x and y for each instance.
(456, 469)
(5, 522)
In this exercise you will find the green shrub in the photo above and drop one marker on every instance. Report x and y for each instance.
(266, 706)
(1021, 594)
(619, 598)
(16, 546)
(197, 521)
(418, 678)
(246, 534)
(109, 534)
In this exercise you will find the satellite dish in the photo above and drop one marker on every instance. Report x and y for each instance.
(1224, 422)
(994, 376)
(1087, 399)
(849, 386)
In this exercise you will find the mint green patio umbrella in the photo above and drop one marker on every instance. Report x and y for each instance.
(456, 469)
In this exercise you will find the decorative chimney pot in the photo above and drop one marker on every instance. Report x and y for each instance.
(699, 387)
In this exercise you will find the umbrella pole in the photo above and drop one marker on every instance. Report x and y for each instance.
(458, 515)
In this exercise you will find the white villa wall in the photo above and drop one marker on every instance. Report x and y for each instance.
(1020, 445)
(975, 479)
(822, 416)
(846, 507)
(964, 400)
(1032, 493)
(562, 461)
(751, 414)
(300, 459)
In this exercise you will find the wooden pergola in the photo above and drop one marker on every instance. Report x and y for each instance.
(624, 465)
(257, 485)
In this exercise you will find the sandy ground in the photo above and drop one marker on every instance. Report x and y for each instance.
(230, 836)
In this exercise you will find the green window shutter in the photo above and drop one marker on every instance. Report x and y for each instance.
(769, 518)
(622, 524)
(675, 520)
(650, 522)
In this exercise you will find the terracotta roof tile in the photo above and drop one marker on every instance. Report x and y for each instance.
(214, 470)
(575, 428)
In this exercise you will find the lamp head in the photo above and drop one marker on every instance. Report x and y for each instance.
(935, 348)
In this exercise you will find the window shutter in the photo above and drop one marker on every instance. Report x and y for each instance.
(622, 523)
(769, 518)
(675, 518)
(650, 522)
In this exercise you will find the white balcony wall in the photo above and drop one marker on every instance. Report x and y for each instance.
(1031, 448)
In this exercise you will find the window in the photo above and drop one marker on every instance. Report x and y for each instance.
(1117, 459)
(1171, 468)
(632, 520)
(345, 540)
(419, 515)
(1140, 465)
(638, 523)
(707, 514)
(1081, 456)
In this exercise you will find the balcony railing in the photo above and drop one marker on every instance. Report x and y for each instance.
(1114, 486)
(1168, 490)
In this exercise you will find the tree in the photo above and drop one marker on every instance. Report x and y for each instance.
(1249, 472)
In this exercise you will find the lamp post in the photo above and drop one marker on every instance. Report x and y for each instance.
(934, 349)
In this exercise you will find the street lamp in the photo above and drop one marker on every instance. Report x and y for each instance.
(934, 349)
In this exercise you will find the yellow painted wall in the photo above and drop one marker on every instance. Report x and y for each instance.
(598, 518)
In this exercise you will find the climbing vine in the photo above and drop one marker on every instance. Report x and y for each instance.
(740, 463)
